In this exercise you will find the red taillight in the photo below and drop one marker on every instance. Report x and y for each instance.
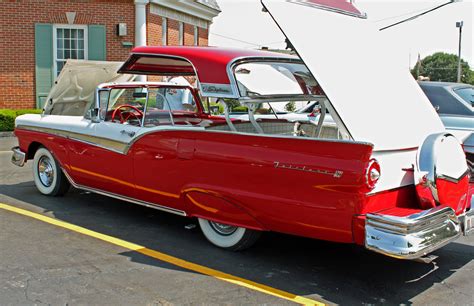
(373, 173)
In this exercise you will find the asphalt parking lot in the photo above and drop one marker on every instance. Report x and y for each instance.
(49, 263)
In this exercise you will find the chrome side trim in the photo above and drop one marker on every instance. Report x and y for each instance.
(18, 157)
(412, 236)
(104, 143)
(124, 198)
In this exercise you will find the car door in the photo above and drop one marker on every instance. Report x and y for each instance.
(100, 157)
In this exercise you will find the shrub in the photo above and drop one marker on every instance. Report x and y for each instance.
(7, 117)
(240, 109)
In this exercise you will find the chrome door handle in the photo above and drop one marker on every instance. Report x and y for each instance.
(129, 133)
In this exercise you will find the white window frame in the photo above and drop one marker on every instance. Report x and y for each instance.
(181, 33)
(196, 35)
(55, 42)
(164, 31)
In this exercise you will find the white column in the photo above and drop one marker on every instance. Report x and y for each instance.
(140, 27)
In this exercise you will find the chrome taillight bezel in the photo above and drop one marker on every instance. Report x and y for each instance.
(370, 180)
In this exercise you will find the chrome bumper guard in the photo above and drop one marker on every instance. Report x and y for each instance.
(18, 157)
(416, 235)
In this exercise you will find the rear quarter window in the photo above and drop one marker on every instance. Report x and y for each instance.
(445, 101)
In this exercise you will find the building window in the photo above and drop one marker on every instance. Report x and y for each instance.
(196, 35)
(69, 42)
(164, 32)
(181, 33)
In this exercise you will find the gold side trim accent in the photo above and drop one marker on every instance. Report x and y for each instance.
(124, 198)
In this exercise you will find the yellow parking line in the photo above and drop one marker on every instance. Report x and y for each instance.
(167, 258)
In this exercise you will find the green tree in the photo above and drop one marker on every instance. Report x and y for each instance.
(290, 106)
(443, 67)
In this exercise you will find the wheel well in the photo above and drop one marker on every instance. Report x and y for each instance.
(32, 148)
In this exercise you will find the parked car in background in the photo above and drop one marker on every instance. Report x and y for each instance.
(383, 174)
(454, 103)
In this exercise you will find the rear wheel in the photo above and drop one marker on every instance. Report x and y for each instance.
(228, 236)
(48, 176)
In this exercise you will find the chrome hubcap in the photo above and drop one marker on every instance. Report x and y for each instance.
(223, 229)
(45, 171)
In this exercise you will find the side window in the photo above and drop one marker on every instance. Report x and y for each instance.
(103, 100)
(169, 106)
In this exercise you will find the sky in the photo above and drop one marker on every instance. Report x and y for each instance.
(243, 24)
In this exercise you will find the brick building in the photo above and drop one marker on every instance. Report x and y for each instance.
(37, 36)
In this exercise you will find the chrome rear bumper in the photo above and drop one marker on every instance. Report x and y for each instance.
(415, 235)
(18, 157)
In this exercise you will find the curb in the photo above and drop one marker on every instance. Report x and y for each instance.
(6, 134)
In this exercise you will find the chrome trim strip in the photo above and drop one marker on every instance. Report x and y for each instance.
(412, 236)
(124, 198)
(18, 157)
(104, 143)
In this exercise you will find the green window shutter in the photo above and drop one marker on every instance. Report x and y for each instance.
(44, 74)
(96, 42)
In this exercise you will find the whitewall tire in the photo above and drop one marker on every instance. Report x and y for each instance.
(227, 236)
(48, 176)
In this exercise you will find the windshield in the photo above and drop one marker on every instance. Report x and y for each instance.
(257, 79)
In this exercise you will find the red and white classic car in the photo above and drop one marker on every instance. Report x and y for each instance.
(383, 173)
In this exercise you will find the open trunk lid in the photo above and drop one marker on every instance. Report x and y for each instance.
(363, 76)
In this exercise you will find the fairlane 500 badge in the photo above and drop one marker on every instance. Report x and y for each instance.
(336, 174)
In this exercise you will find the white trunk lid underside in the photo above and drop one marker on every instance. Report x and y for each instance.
(366, 80)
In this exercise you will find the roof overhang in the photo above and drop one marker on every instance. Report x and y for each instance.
(193, 8)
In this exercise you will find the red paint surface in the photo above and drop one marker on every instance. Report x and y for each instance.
(244, 180)
(337, 4)
(210, 63)
(454, 195)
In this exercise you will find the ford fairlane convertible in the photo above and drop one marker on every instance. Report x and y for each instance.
(382, 173)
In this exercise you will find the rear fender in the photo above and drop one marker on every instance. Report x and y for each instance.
(215, 206)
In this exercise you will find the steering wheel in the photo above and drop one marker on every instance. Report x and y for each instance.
(130, 114)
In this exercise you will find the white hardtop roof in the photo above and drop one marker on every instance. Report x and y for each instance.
(363, 74)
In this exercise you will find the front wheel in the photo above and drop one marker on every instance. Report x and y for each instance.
(227, 236)
(48, 176)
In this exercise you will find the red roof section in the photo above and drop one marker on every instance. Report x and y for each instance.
(210, 63)
(342, 5)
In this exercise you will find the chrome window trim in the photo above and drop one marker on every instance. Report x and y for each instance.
(125, 198)
(239, 60)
